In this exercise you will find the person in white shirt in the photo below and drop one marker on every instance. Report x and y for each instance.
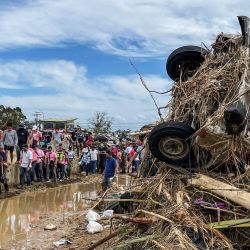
(25, 165)
(71, 157)
(57, 137)
(93, 159)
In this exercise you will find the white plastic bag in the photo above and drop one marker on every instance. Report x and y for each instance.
(94, 227)
(108, 214)
(92, 216)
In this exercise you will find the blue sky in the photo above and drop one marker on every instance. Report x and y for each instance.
(71, 58)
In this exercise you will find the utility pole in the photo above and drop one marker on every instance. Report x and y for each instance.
(37, 115)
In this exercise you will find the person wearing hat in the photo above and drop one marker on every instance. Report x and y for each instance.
(23, 136)
(36, 135)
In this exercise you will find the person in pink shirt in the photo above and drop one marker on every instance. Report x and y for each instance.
(38, 154)
(51, 163)
(36, 135)
(33, 164)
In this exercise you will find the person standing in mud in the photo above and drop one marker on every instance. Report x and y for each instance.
(80, 141)
(89, 139)
(39, 163)
(71, 157)
(3, 167)
(85, 161)
(57, 138)
(25, 165)
(109, 171)
(36, 135)
(94, 154)
(45, 150)
(23, 136)
(102, 158)
(60, 162)
(10, 140)
(51, 162)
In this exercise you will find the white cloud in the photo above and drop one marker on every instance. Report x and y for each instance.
(128, 28)
(71, 93)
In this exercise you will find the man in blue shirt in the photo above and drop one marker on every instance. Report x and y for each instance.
(109, 171)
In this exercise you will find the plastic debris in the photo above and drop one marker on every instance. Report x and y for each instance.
(92, 216)
(94, 227)
(61, 242)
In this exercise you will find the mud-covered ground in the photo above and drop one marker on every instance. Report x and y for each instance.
(70, 226)
(64, 204)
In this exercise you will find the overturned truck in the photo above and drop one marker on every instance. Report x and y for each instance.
(197, 196)
(208, 121)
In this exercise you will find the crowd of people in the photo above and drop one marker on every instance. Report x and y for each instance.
(45, 156)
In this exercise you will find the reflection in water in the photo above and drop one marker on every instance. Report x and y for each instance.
(17, 214)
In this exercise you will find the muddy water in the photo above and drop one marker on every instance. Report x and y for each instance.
(17, 214)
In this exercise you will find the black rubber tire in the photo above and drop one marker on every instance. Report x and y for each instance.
(190, 55)
(235, 118)
(168, 130)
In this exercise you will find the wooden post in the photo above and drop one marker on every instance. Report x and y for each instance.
(222, 189)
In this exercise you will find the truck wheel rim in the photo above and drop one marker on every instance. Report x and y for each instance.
(173, 147)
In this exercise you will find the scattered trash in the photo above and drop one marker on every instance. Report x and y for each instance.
(92, 216)
(94, 227)
(61, 242)
(108, 214)
(50, 227)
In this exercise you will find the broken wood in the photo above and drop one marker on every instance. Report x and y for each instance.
(137, 220)
(223, 189)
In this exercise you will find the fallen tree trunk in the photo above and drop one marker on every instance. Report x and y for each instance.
(222, 189)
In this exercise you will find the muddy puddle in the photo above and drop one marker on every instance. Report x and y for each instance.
(18, 214)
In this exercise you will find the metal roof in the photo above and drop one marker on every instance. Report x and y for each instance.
(59, 120)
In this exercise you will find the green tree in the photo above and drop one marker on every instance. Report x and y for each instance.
(100, 123)
(8, 114)
(123, 133)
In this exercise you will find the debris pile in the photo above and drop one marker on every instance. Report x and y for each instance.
(194, 192)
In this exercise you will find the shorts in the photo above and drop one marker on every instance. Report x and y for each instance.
(9, 148)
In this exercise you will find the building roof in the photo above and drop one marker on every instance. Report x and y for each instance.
(59, 120)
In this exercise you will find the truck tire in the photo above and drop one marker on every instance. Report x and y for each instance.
(235, 118)
(189, 58)
(170, 142)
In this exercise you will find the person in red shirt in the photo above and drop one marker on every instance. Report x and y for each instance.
(90, 139)
(131, 154)
(36, 135)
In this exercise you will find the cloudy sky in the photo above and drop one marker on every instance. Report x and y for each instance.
(70, 58)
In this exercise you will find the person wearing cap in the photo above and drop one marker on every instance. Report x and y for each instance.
(36, 135)
(23, 136)
(10, 140)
